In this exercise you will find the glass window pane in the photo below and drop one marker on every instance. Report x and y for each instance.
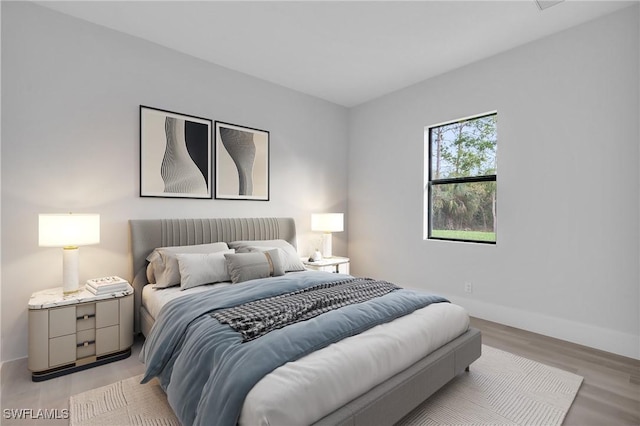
(464, 149)
(464, 211)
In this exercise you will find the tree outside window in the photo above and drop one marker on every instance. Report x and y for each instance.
(460, 191)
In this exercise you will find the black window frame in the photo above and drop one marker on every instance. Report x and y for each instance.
(447, 181)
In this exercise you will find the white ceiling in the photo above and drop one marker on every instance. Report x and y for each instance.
(347, 52)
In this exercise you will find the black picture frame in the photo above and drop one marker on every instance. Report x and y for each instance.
(241, 162)
(175, 154)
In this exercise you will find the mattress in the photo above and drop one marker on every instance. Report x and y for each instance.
(335, 375)
(154, 299)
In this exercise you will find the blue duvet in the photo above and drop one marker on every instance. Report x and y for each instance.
(207, 371)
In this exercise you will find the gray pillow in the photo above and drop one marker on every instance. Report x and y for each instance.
(202, 268)
(251, 266)
(165, 267)
(291, 261)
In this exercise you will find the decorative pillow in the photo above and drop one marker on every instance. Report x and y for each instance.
(202, 268)
(251, 266)
(165, 264)
(291, 261)
(262, 249)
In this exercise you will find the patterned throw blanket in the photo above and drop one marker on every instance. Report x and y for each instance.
(255, 319)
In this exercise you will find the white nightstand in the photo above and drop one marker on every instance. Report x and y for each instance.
(72, 332)
(331, 264)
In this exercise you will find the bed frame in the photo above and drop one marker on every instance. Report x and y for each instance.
(384, 404)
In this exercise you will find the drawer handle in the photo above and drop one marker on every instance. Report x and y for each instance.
(87, 343)
(84, 317)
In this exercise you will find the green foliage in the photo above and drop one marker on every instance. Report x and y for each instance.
(466, 148)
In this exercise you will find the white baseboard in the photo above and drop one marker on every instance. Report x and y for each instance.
(605, 339)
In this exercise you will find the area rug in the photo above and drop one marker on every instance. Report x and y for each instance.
(500, 389)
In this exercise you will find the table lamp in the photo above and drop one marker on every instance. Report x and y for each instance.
(327, 223)
(69, 231)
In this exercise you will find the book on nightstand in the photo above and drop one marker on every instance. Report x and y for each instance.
(106, 285)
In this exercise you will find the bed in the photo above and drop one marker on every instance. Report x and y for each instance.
(383, 401)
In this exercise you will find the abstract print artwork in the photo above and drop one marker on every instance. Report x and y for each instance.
(242, 162)
(175, 155)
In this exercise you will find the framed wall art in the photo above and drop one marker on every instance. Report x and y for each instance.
(175, 154)
(242, 162)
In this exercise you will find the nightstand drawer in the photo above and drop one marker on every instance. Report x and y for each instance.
(86, 317)
(62, 321)
(62, 350)
(107, 340)
(86, 336)
(85, 343)
(87, 351)
(107, 313)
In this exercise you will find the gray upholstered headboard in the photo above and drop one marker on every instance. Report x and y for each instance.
(148, 234)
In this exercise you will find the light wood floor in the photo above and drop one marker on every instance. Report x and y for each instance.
(609, 395)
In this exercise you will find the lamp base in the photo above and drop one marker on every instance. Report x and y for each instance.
(326, 245)
(70, 270)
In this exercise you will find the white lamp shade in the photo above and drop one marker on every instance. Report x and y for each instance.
(327, 222)
(68, 230)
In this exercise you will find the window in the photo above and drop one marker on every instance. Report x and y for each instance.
(460, 189)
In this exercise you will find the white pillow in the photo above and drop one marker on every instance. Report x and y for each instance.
(165, 264)
(202, 268)
(290, 259)
(151, 277)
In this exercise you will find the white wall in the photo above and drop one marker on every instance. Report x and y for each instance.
(70, 142)
(566, 261)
